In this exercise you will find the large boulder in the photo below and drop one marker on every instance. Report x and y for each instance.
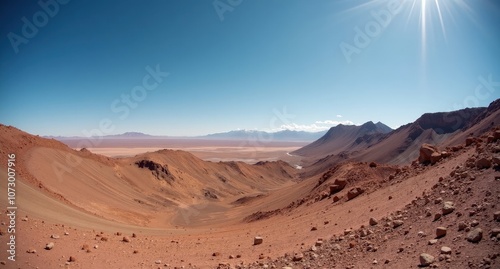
(338, 185)
(354, 192)
(429, 154)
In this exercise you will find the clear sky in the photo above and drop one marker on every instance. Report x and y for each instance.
(68, 66)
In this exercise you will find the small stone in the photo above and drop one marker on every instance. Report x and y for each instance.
(462, 226)
(495, 232)
(231, 257)
(475, 235)
(445, 250)
(440, 232)
(483, 163)
(374, 262)
(216, 254)
(72, 259)
(158, 261)
(314, 228)
(426, 259)
(66, 233)
(54, 236)
(136, 251)
(496, 216)
(318, 243)
(298, 257)
(126, 239)
(49, 246)
(433, 241)
(437, 216)
(373, 221)
(397, 223)
(448, 207)
(31, 250)
(258, 240)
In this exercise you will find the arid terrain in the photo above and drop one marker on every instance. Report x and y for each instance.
(426, 194)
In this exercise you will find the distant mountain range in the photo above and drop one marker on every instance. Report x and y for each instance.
(285, 135)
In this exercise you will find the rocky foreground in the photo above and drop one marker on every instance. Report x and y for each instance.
(455, 225)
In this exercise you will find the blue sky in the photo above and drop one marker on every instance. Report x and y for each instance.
(264, 65)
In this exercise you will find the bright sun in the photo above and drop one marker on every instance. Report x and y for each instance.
(432, 13)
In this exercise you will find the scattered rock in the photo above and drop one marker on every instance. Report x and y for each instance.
(426, 259)
(216, 254)
(397, 223)
(298, 257)
(461, 226)
(433, 241)
(440, 232)
(72, 259)
(448, 207)
(496, 216)
(54, 236)
(126, 239)
(158, 262)
(426, 151)
(468, 141)
(435, 157)
(373, 221)
(495, 232)
(445, 250)
(483, 163)
(475, 235)
(354, 192)
(49, 246)
(258, 240)
(31, 251)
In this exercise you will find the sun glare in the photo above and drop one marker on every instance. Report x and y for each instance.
(432, 15)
